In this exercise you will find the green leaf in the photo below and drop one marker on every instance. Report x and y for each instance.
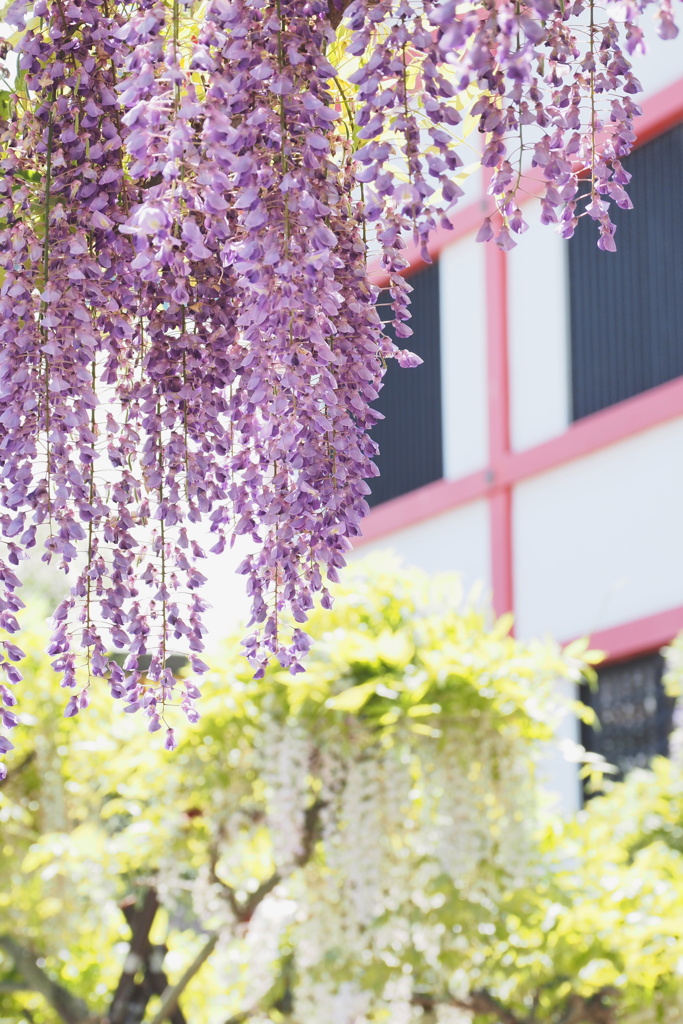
(354, 698)
(421, 710)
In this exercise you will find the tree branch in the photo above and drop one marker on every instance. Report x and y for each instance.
(169, 999)
(257, 897)
(18, 768)
(7, 987)
(336, 11)
(140, 922)
(244, 912)
(155, 981)
(599, 1008)
(311, 819)
(479, 1003)
(227, 891)
(596, 1009)
(69, 1007)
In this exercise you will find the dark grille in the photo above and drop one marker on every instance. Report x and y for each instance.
(635, 714)
(409, 437)
(627, 307)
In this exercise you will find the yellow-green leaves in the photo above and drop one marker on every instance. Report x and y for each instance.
(410, 735)
(353, 699)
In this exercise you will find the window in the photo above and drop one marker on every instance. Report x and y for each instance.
(627, 307)
(635, 714)
(410, 435)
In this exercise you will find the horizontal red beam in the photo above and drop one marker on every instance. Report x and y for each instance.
(631, 416)
(423, 503)
(639, 637)
(464, 222)
(604, 428)
(662, 111)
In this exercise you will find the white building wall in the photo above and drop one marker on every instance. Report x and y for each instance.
(538, 336)
(598, 542)
(462, 289)
(557, 767)
(456, 541)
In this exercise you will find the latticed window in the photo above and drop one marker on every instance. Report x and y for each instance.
(627, 307)
(635, 714)
(410, 435)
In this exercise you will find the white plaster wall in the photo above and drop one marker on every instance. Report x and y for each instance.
(456, 541)
(462, 287)
(557, 767)
(538, 325)
(598, 542)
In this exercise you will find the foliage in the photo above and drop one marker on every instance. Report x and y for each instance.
(624, 874)
(189, 341)
(358, 844)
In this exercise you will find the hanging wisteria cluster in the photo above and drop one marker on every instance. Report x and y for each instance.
(189, 342)
(402, 830)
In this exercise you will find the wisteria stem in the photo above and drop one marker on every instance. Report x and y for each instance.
(46, 279)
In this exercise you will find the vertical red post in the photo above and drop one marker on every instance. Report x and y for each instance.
(500, 512)
(500, 501)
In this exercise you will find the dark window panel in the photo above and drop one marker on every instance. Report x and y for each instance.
(409, 437)
(627, 307)
(634, 712)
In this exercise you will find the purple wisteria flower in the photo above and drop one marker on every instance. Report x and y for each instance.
(188, 335)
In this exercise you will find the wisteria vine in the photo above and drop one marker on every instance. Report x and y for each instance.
(188, 334)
